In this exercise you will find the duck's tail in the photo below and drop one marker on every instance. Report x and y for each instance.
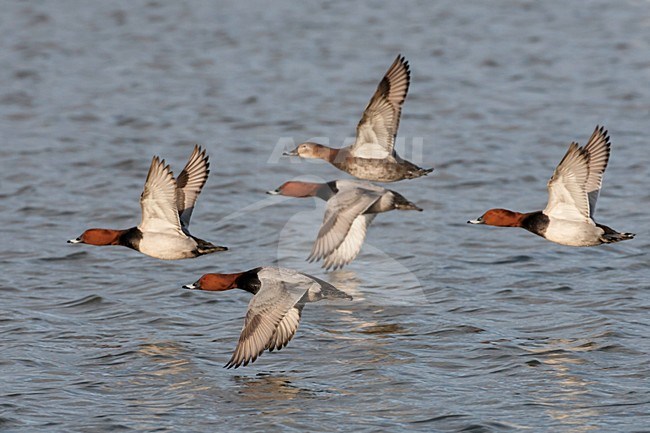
(417, 172)
(328, 291)
(401, 203)
(331, 292)
(617, 237)
(205, 247)
(611, 236)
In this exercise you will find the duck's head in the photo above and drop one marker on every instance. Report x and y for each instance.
(98, 237)
(214, 282)
(499, 218)
(295, 188)
(310, 149)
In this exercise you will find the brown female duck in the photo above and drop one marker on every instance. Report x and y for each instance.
(372, 156)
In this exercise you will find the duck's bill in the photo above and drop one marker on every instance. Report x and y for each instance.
(74, 241)
(274, 192)
(294, 152)
(477, 221)
(192, 286)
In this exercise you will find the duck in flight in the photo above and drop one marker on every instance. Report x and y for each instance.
(167, 206)
(274, 312)
(373, 156)
(351, 207)
(572, 194)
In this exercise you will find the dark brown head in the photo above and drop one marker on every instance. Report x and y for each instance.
(98, 237)
(500, 218)
(215, 282)
(297, 189)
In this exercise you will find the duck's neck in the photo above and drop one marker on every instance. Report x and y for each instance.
(333, 155)
(326, 153)
(327, 190)
(535, 222)
(514, 219)
(519, 219)
(249, 281)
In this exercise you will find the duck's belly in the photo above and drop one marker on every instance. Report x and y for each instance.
(167, 247)
(573, 233)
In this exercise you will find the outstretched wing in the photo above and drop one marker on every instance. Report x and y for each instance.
(190, 183)
(273, 314)
(598, 149)
(351, 245)
(567, 194)
(378, 126)
(340, 214)
(286, 329)
(158, 200)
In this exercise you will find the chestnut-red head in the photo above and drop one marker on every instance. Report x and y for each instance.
(297, 189)
(500, 218)
(215, 282)
(98, 237)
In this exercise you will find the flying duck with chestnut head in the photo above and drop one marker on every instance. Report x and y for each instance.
(573, 191)
(167, 206)
(274, 312)
(351, 207)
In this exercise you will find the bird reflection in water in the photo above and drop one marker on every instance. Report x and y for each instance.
(565, 396)
(267, 386)
(172, 367)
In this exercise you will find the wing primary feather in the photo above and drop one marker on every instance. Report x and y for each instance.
(190, 183)
(598, 148)
(379, 123)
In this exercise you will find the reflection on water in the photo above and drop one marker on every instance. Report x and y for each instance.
(566, 404)
(269, 387)
(166, 356)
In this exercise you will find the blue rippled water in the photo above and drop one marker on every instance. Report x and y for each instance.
(454, 328)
